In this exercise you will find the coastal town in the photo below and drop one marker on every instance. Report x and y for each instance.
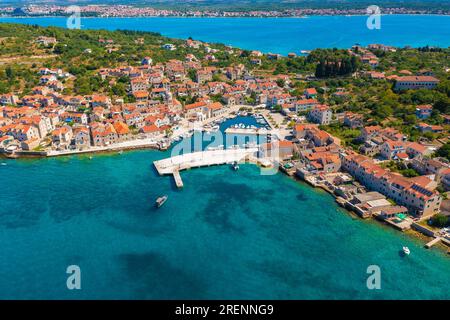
(395, 172)
(145, 11)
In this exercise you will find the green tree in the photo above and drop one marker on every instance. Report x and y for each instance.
(440, 221)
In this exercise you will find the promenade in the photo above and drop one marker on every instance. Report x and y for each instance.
(125, 145)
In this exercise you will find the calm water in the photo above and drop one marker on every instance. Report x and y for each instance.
(281, 35)
(225, 235)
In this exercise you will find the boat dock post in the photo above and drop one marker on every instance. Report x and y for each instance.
(177, 177)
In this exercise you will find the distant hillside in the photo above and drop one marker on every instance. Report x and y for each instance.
(248, 4)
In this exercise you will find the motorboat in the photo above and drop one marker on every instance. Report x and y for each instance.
(406, 250)
(235, 166)
(161, 200)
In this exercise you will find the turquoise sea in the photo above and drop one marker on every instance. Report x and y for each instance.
(281, 35)
(226, 235)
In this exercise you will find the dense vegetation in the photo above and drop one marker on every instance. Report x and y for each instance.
(444, 151)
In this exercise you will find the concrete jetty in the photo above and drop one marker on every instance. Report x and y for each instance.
(432, 242)
(177, 177)
(175, 164)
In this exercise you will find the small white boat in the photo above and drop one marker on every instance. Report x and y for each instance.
(120, 152)
(90, 157)
(406, 250)
(161, 200)
(3, 163)
(235, 166)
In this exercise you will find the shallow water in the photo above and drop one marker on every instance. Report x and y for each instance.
(226, 235)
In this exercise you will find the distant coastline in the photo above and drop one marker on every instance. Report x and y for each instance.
(222, 17)
(272, 11)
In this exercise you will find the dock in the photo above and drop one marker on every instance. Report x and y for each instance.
(177, 177)
(175, 164)
(432, 242)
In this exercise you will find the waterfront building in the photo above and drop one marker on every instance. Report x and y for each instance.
(152, 131)
(416, 194)
(103, 134)
(61, 137)
(23, 132)
(122, 131)
(81, 137)
(197, 110)
(322, 160)
(393, 211)
(283, 149)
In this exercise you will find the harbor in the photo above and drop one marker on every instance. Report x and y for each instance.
(175, 164)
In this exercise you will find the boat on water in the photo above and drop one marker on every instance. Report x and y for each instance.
(235, 166)
(161, 200)
(406, 250)
(3, 163)
(120, 152)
